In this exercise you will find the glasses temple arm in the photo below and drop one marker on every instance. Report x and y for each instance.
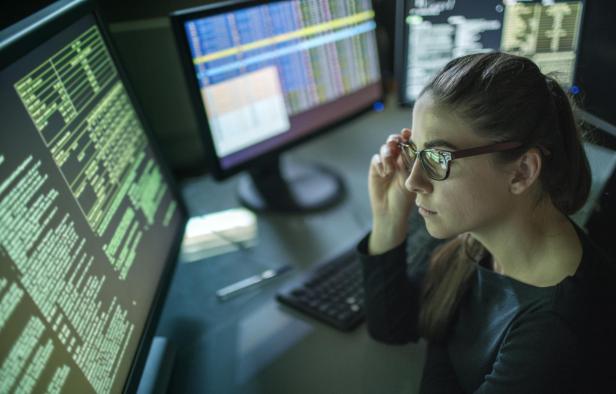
(498, 147)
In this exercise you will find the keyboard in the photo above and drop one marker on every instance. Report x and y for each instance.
(332, 292)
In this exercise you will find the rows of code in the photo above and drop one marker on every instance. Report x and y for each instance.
(55, 270)
(55, 92)
(99, 145)
(547, 34)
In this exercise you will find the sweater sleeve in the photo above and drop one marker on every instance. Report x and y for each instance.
(391, 296)
(392, 284)
(539, 355)
(439, 377)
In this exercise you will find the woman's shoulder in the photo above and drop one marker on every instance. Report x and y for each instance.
(582, 300)
(596, 274)
(587, 297)
(592, 290)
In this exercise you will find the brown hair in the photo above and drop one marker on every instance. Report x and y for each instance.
(506, 98)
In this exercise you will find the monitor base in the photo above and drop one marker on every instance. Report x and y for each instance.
(291, 188)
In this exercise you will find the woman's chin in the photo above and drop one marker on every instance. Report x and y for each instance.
(438, 232)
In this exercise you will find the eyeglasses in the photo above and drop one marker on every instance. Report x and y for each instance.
(436, 162)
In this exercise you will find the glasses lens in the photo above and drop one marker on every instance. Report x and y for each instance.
(409, 153)
(435, 164)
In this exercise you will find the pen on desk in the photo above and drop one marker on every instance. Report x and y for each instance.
(256, 280)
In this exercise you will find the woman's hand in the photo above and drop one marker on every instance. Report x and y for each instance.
(390, 201)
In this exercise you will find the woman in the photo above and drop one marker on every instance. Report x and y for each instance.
(494, 163)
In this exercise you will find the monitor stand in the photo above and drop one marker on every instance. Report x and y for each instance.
(157, 370)
(291, 187)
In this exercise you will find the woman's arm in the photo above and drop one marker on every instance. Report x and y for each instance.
(392, 283)
(391, 297)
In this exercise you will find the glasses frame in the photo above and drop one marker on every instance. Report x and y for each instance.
(449, 156)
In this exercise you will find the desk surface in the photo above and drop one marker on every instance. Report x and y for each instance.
(251, 343)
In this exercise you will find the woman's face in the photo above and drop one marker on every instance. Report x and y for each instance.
(475, 197)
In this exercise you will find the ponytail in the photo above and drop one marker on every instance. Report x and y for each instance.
(566, 176)
(451, 267)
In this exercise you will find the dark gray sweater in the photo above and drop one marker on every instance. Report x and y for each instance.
(507, 337)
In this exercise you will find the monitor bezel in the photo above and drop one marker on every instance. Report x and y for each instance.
(27, 34)
(401, 37)
(213, 161)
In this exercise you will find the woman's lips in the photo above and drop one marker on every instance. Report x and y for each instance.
(425, 211)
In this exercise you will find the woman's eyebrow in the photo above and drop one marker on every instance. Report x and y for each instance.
(439, 142)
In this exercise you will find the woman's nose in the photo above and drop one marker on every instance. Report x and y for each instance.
(417, 181)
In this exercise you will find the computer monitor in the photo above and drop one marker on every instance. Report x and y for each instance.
(429, 33)
(267, 75)
(596, 65)
(90, 224)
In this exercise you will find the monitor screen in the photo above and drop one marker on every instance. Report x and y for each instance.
(265, 75)
(89, 221)
(430, 33)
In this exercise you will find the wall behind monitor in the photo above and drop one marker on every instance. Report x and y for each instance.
(121, 10)
(20, 10)
(147, 50)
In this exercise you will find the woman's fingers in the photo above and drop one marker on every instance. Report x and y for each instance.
(387, 157)
(394, 137)
(403, 136)
(385, 162)
(377, 165)
(406, 134)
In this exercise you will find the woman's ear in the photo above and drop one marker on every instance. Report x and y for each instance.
(526, 171)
